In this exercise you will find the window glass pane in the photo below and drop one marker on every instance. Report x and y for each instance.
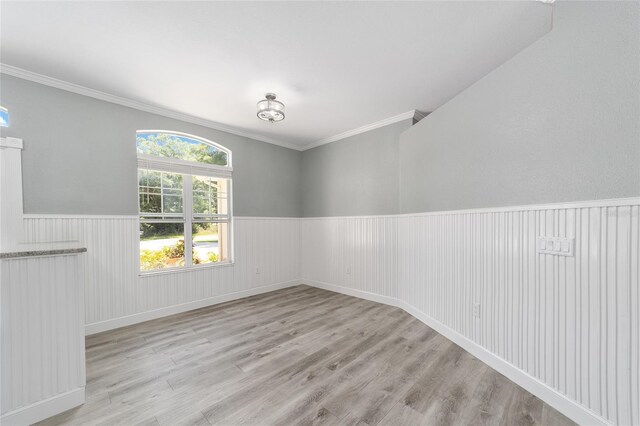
(149, 191)
(210, 242)
(172, 193)
(161, 245)
(209, 196)
(4, 117)
(160, 194)
(181, 147)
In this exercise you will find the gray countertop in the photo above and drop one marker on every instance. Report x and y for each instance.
(57, 248)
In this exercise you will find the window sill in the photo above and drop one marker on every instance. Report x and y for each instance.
(145, 274)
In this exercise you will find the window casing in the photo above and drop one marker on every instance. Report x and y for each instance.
(183, 203)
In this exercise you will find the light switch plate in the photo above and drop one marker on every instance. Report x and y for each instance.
(559, 246)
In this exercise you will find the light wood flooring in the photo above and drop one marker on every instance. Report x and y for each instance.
(297, 356)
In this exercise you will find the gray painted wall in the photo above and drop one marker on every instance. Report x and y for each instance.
(80, 156)
(354, 176)
(558, 122)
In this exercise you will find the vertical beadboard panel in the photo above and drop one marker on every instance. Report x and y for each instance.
(114, 289)
(358, 253)
(42, 343)
(570, 322)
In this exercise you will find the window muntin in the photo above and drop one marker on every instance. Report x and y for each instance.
(160, 194)
(209, 197)
(182, 205)
(210, 218)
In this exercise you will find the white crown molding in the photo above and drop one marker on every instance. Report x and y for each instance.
(165, 112)
(400, 117)
(419, 115)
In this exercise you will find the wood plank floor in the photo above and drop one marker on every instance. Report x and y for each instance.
(300, 355)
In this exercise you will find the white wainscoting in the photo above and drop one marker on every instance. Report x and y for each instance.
(359, 253)
(566, 328)
(116, 295)
(42, 343)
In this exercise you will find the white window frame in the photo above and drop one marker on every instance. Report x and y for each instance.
(188, 169)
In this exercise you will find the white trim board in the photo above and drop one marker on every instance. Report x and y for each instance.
(560, 402)
(99, 327)
(10, 142)
(166, 112)
(78, 216)
(133, 216)
(44, 409)
(614, 202)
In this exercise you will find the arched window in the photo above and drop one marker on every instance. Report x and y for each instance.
(182, 147)
(184, 199)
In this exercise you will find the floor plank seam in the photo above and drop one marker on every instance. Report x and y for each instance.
(293, 356)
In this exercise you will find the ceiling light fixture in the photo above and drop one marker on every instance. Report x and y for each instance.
(270, 110)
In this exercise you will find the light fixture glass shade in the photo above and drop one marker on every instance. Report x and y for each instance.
(270, 110)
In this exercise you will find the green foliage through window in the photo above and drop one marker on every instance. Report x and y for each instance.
(181, 147)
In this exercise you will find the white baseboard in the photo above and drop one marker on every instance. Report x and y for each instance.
(43, 409)
(98, 327)
(560, 402)
(352, 292)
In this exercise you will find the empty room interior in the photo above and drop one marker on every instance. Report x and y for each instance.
(350, 213)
